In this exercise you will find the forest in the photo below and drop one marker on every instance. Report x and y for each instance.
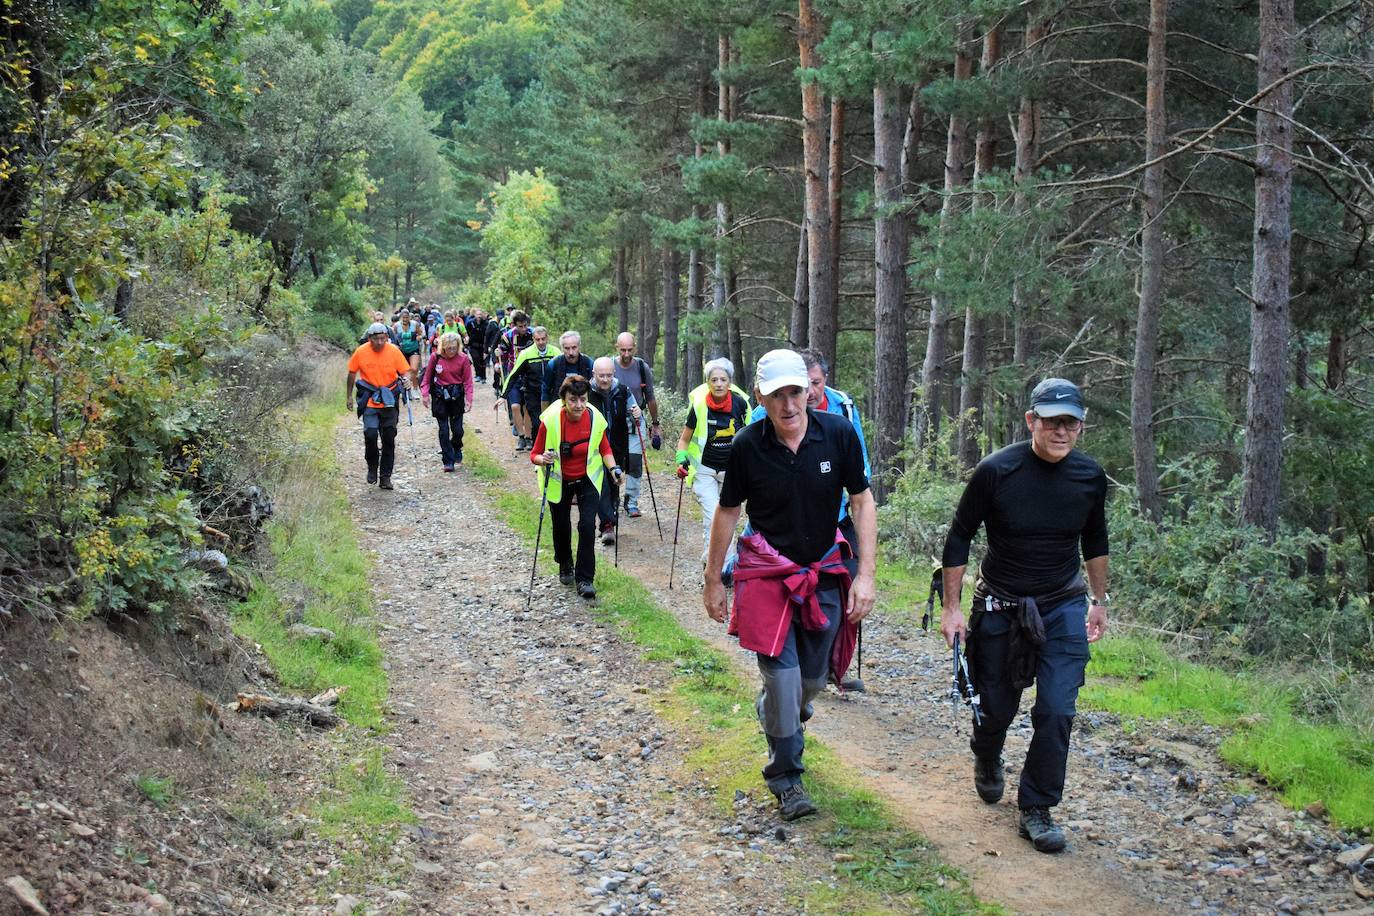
(1169, 203)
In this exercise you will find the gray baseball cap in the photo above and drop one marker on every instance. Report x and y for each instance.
(376, 327)
(1057, 397)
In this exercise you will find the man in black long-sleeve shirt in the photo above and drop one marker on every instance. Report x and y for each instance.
(1040, 501)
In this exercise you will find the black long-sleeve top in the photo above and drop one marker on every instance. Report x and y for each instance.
(1037, 514)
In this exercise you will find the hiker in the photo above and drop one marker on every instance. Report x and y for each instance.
(572, 447)
(572, 362)
(1040, 501)
(797, 584)
(377, 318)
(717, 411)
(635, 374)
(477, 345)
(409, 335)
(820, 396)
(525, 386)
(617, 404)
(446, 390)
(491, 338)
(376, 372)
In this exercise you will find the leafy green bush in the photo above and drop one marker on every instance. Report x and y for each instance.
(334, 308)
(915, 520)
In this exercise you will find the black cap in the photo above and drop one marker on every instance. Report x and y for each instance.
(1057, 397)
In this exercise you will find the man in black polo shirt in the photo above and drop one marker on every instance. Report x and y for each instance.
(1040, 501)
(791, 469)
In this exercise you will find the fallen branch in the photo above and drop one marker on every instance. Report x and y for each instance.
(289, 707)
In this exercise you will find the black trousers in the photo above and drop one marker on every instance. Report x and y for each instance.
(381, 459)
(449, 415)
(584, 494)
(479, 361)
(1058, 675)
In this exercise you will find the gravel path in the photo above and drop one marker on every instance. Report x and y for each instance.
(1157, 822)
(542, 777)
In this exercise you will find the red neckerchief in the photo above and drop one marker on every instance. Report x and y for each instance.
(721, 406)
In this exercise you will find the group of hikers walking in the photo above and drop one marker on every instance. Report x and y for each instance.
(790, 458)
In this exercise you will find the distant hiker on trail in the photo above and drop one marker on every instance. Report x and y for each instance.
(491, 338)
(617, 405)
(820, 396)
(378, 318)
(409, 336)
(1041, 501)
(446, 389)
(477, 344)
(525, 385)
(572, 362)
(376, 372)
(797, 586)
(635, 374)
(717, 411)
(573, 453)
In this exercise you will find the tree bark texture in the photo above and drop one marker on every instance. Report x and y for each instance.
(1151, 270)
(937, 339)
(672, 295)
(801, 318)
(721, 298)
(889, 291)
(1262, 465)
(824, 320)
(835, 202)
(648, 305)
(692, 353)
(972, 380)
(911, 138)
(1028, 134)
(622, 291)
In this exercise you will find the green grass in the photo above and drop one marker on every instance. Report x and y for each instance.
(1137, 678)
(316, 556)
(314, 545)
(888, 869)
(159, 790)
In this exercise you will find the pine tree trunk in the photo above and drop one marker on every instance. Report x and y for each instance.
(801, 318)
(721, 298)
(823, 319)
(835, 199)
(692, 355)
(124, 299)
(972, 379)
(672, 294)
(889, 290)
(622, 292)
(937, 339)
(1022, 300)
(1262, 466)
(648, 305)
(1151, 270)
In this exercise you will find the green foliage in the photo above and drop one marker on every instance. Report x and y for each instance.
(159, 790)
(1202, 571)
(336, 307)
(915, 519)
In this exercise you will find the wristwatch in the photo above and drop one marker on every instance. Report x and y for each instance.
(1106, 600)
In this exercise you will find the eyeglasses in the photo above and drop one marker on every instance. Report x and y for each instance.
(1068, 424)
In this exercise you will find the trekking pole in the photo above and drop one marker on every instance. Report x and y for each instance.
(644, 457)
(672, 564)
(538, 533)
(414, 452)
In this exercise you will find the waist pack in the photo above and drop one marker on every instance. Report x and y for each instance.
(1027, 632)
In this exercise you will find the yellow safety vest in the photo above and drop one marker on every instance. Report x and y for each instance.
(553, 437)
(697, 444)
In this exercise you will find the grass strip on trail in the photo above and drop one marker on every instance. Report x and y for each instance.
(880, 866)
(1139, 679)
(316, 558)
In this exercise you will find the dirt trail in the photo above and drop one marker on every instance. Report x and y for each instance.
(1156, 821)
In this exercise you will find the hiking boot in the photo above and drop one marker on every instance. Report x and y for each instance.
(855, 684)
(448, 469)
(586, 590)
(608, 536)
(793, 802)
(385, 484)
(989, 779)
(371, 475)
(565, 575)
(807, 712)
(633, 512)
(1038, 827)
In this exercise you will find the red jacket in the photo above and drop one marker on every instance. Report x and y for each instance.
(769, 588)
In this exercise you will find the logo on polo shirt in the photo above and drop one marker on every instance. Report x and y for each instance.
(825, 467)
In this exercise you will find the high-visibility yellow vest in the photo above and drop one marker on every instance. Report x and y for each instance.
(553, 437)
(697, 444)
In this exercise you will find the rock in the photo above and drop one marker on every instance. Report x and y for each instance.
(305, 631)
(1360, 889)
(346, 905)
(82, 831)
(1351, 858)
(478, 841)
(28, 897)
(428, 868)
(1316, 809)
(481, 763)
(159, 904)
(843, 857)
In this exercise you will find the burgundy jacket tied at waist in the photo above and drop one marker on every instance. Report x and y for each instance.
(769, 589)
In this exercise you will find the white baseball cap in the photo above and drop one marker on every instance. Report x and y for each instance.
(779, 369)
(376, 328)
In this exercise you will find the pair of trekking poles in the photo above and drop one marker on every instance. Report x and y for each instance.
(544, 501)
